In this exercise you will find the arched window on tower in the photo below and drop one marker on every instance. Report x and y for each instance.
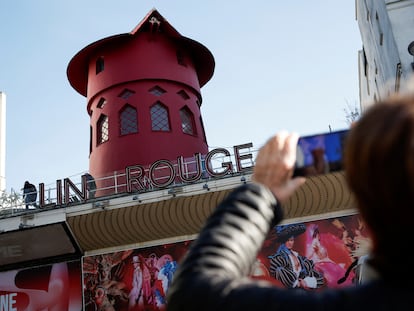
(128, 120)
(160, 118)
(187, 121)
(100, 65)
(102, 129)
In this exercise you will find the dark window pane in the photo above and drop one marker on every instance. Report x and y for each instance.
(187, 121)
(126, 93)
(128, 120)
(100, 65)
(101, 103)
(159, 118)
(157, 91)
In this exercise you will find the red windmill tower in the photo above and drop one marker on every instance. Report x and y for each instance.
(143, 96)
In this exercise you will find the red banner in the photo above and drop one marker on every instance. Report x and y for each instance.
(53, 287)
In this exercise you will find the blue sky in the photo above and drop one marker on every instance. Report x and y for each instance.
(279, 65)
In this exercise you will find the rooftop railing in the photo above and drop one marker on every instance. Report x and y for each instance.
(165, 174)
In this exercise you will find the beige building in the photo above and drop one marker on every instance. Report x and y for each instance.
(386, 61)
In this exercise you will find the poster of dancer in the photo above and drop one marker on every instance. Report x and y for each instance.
(132, 279)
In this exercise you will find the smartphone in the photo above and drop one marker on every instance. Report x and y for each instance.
(320, 153)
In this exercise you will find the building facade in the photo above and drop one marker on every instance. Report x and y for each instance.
(386, 59)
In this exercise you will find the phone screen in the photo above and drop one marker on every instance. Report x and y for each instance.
(320, 153)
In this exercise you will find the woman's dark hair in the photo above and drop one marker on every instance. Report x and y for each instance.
(379, 169)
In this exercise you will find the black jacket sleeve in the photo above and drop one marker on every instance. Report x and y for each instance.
(220, 259)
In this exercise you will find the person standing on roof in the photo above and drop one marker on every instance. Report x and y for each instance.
(29, 194)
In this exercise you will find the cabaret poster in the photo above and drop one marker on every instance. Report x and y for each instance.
(325, 252)
(132, 279)
(53, 287)
(314, 255)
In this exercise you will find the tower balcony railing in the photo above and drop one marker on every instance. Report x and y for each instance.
(136, 179)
